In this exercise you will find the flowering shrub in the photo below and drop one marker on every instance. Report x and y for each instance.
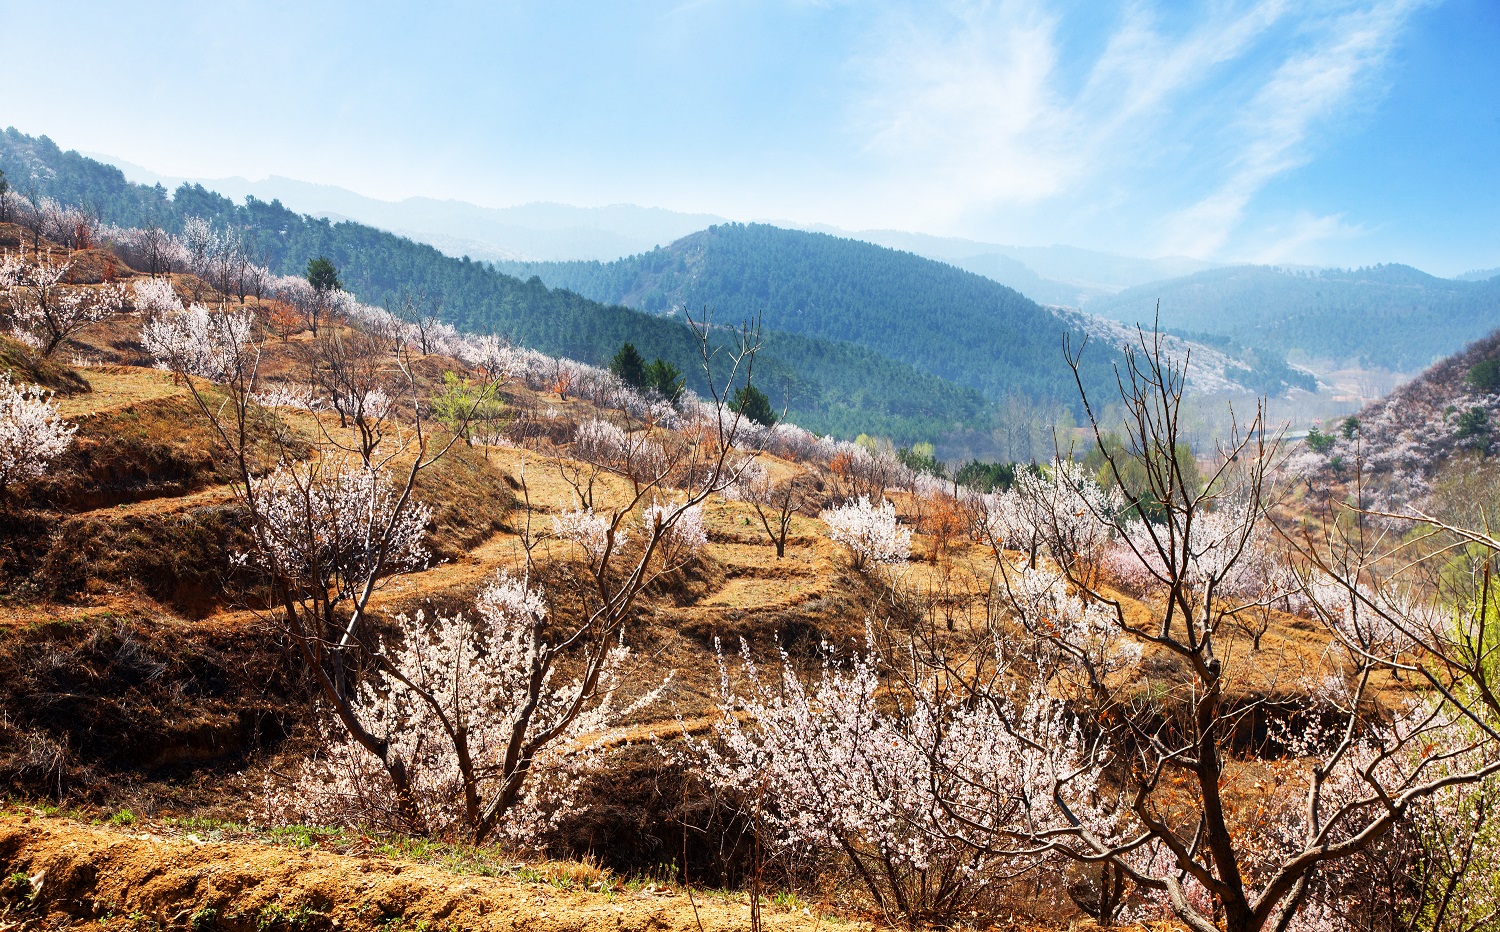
(289, 395)
(1065, 629)
(913, 794)
(154, 296)
(1401, 441)
(32, 433)
(1067, 510)
(869, 532)
(590, 530)
(633, 455)
(45, 311)
(681, 539)
(335, 524)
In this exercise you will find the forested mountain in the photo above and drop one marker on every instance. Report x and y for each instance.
(831, 385)
(943, 320)
(1389, 316)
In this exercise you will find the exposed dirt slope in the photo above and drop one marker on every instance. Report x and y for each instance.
(93, 877)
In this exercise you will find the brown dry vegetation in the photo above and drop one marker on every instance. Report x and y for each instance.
(135, 669)
(93, 878)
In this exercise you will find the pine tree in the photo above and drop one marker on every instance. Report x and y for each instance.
(666, 379)
(323, 275)
(630, 366)
(753, 403)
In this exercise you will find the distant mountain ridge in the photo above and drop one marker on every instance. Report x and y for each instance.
(1063, 275)
(535, 231)
(1389, 316)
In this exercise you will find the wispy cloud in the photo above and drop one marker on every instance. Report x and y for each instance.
(980, 102)
(1290, 241)
(1310, 87)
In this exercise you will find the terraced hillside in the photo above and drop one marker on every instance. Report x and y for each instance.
(150, 681)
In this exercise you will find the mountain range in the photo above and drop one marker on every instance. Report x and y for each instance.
(939, 318)
(836, 384)
(543, 232)
(876, 331)
(1391, 317)
(1386, 318)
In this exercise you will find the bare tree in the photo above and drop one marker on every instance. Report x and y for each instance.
(1362, 775)
(775, 502)
(1141, 784)
(421, 313)
(32, 215)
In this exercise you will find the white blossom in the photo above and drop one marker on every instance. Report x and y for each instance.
(589, 530)
(288, 395)
(199, 342)
(335, 523)
(474, 670)
(683, 538)
(45, 310)
(156, 296)
(32, 433)
(869, 531)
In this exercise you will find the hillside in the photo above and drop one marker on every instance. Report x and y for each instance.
(1441, 426)
(183, 572)
(831, 385)
(942, 320)
(150, 875)
(1389, 317)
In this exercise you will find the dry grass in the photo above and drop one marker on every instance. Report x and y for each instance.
(149, 876)
(141, 513)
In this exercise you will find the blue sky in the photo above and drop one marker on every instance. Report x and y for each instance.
(1341, 133)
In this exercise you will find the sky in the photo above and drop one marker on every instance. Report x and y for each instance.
(1320, 132)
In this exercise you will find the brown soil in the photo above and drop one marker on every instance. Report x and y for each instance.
(132, 671)
(78, 876)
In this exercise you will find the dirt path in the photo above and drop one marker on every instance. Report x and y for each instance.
(83, 876)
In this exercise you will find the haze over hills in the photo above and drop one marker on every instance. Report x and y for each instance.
(1064, 275)
(541, 232)
(942, 333)
(1200, 299)
(536, 231)
(1390, 317)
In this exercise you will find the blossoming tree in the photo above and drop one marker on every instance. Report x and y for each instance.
(45, 310)
(870, 532)
(32, 433)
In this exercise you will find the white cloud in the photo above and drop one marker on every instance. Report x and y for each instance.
(976, 109)
(1301, 240)
(1310, 87)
